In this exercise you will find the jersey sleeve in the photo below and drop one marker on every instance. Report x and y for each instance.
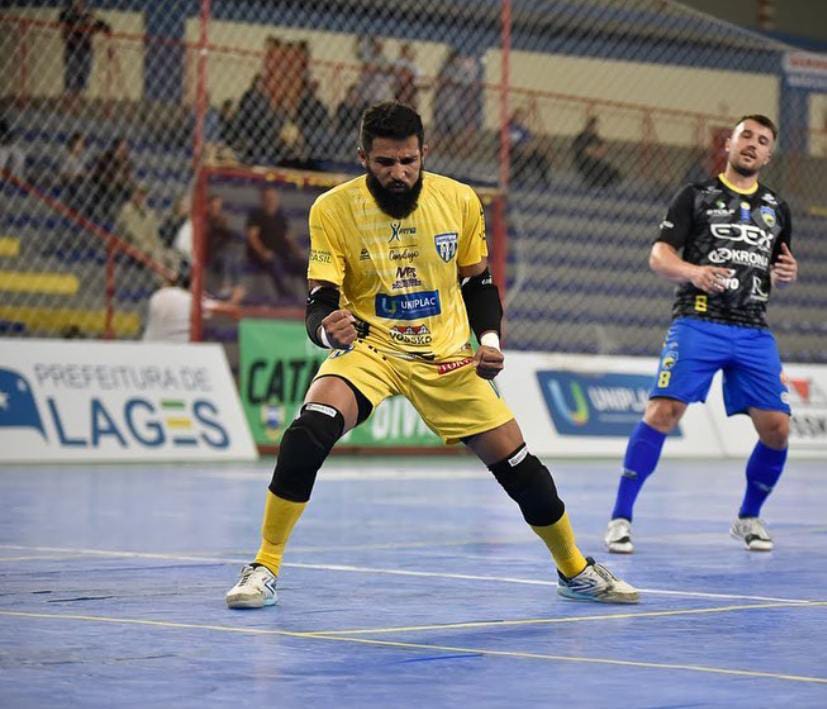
(786, 235)
(472, 245)
(326, 262)
(677, 224)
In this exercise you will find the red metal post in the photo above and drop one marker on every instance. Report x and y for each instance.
(499, 226)
(199, 201)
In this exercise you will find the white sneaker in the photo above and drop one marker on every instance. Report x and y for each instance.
(256, 587)
(596, 583)
(618, 537)
(753, 533)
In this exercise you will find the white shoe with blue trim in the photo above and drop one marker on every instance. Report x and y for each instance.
(256, 588)
(596, 583)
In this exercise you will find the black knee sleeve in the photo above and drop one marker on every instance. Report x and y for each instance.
(304, 447)
(528, 482)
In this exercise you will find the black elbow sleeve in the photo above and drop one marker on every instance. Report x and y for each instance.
(320, 303)
(482, 302)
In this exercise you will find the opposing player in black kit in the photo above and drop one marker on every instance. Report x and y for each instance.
(726, 243)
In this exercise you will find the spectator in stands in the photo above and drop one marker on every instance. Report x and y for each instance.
(590, 152)
(257, 126)
(226, 116)
(12, 157)
(349, 111)
(211, 135)
(177, 226)
(137, 224)
(223, 254)
(78, 26)
(314, 123)
(169, 313)
(407, 76)
(270, 247)
(529, 163)
(74, 171)
(458, 109)
(376, 81)
(112, 181)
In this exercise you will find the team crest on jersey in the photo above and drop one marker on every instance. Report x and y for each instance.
(446, 245)
(768, 213)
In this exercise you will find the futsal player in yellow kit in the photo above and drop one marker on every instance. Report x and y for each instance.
(398, 278)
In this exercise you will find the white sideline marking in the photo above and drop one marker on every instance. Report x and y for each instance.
(421, 646)
(392, 572)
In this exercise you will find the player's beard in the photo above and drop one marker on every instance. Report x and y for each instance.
(398, 204)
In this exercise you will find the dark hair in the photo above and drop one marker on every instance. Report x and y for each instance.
(390, 120)
(761, 120)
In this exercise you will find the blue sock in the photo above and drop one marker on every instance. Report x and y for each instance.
(764, 467)
(642, 454)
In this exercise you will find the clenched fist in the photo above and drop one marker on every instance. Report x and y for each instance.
(488, 361)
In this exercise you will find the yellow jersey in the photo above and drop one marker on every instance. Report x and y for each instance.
(401, 275)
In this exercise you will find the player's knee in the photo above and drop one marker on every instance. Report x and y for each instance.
(775, 432)
(664, 414)
(529, 483)
(304, 447)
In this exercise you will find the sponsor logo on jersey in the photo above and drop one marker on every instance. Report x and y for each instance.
(364, 255)
(411, 334)
(740, 257)
(769, 199)
(746, 211)
(406, 278)
(408, 306)
(446, 367)
(320, 256)
(747, 233)
(446, 245)
(666, 225)
(403, 254)
(398, 231)
(758, 292)
(768, 213)
(720, 212)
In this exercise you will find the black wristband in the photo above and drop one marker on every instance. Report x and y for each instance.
(322, 301)
(482, 302)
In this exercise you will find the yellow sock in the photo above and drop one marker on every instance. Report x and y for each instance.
(559, 538)
(280, 516)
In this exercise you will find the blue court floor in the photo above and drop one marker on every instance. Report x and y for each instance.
(406, 584)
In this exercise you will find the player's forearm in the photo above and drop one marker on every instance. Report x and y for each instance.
(665, 261)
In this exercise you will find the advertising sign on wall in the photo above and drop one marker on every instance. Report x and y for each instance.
(278, 363)
(131, 401)
(583, 405)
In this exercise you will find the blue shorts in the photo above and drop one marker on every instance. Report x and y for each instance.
(695, 349)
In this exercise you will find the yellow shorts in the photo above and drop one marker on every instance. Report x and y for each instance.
(450, 397)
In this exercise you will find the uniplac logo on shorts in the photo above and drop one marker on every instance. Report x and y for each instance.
(446, 367)
(408, 306)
